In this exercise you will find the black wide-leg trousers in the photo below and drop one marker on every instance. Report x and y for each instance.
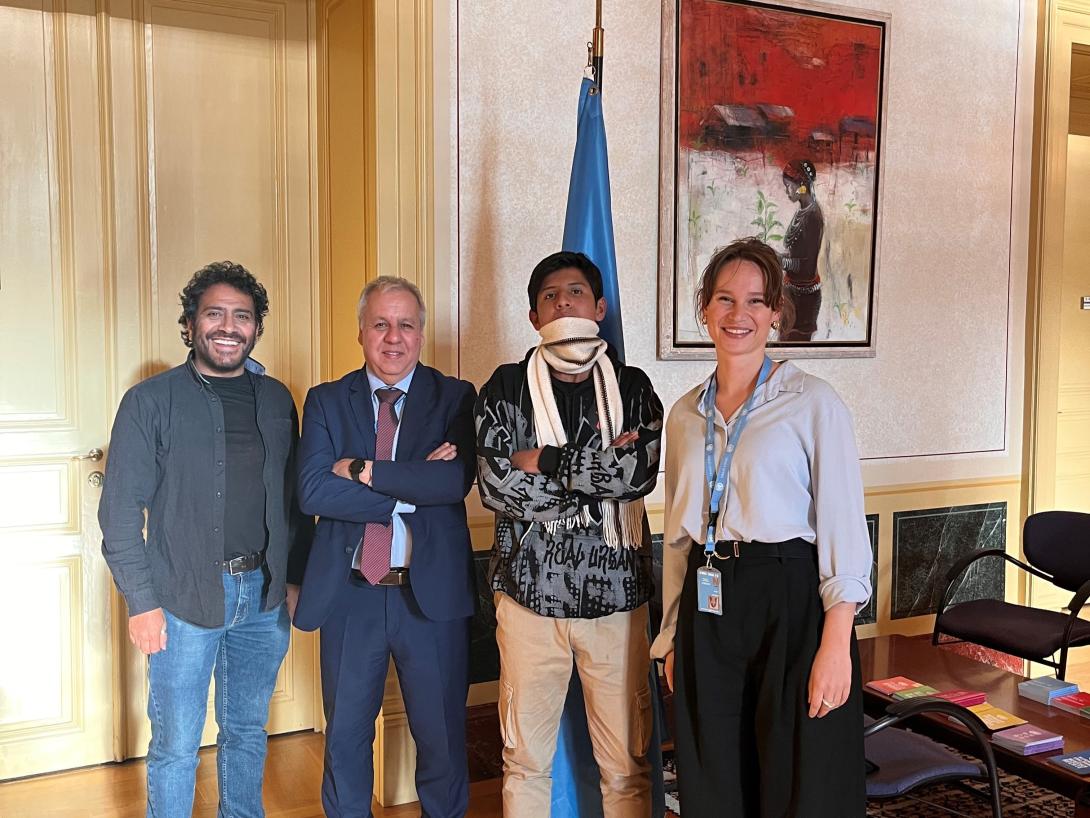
(746, 746)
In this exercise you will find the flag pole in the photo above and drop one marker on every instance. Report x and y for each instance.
(597, 44)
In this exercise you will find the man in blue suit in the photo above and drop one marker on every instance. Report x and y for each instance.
(386, 460)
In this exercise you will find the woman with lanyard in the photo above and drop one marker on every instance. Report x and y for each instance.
(766, 560)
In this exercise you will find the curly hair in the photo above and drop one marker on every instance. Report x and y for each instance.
(221, 272)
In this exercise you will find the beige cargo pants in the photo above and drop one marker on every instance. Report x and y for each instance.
(612, 659)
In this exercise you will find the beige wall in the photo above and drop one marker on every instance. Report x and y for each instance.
(941, 401)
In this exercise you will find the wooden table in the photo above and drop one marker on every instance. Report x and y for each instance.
(884, 656)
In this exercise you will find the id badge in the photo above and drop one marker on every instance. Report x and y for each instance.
(709, 592)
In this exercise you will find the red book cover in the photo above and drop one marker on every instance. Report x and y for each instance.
(1072, 703)
(966, 698)
(891, 686)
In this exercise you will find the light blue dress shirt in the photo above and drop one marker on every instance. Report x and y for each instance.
(402, 546)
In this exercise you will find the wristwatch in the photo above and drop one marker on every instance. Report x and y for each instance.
(355, 467)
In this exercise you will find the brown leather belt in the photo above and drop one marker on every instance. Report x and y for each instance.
(397, 576)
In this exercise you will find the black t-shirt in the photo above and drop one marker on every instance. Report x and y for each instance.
(244, 510)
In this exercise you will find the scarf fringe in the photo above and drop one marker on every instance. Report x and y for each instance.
(626, 532)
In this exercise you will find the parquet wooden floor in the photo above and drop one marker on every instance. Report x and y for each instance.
(293, 775)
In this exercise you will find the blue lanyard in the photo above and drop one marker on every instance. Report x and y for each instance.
(718, 480)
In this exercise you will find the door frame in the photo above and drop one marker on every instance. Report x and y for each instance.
(1063, 25)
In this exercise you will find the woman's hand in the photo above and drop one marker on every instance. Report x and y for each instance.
(668, 670)
(831, 672)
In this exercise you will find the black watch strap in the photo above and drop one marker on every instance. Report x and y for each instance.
(355, 467)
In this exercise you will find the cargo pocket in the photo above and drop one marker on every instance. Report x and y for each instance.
(507, 716)
(641, 723)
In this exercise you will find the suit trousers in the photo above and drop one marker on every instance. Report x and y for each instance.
(367, 626)
(746, 745)
(611, 655)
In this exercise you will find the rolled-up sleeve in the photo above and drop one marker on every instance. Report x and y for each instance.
(843, 544)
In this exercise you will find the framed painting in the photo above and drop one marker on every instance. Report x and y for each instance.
(772, 127)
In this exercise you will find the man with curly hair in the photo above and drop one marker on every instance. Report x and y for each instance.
(206, 451)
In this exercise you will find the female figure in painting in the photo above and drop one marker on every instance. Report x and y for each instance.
(766, 561)
(801, 245)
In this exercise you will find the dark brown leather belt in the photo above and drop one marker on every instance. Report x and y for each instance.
(240, 565)
(397, 576)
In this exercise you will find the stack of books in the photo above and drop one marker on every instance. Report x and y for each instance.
(994, 718)
(1046, 689)
(891, 686)
(901, 688)
(1028, 740)
(1077, 703)
(966, 698)
(1074, 762)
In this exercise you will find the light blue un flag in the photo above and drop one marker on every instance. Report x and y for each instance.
(588, 229)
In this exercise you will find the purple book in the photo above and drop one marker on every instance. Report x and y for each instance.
(1028, 739)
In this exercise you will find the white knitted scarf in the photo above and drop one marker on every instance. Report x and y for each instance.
(571, 346)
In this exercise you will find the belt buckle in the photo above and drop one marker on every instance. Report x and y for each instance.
(734, 547)
(237, 565)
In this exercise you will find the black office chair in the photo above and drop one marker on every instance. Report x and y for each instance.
(1057, 546)
(903, 761)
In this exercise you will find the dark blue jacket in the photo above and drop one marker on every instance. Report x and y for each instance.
(339, 422)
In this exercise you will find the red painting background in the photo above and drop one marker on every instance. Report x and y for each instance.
(821, 67)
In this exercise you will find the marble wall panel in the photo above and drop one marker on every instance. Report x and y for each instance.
(927, 543)
(869, 614)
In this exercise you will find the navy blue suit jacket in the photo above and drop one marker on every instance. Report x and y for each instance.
(339, 422)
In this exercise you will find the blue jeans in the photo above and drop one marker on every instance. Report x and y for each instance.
(246, 654)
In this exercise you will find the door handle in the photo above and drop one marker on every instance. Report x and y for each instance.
(94, 456)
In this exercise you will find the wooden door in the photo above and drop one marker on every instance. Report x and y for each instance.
(210, 142)
(1060, 455)
(56, 657)
(140, 140)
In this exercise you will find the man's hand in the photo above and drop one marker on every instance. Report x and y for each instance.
(625, 439)
(292, 599)
(148, 631)
(444, 451)
(340, 468)
(527, 460)
(668, 670)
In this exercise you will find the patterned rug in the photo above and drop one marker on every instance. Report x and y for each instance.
(1021, 799)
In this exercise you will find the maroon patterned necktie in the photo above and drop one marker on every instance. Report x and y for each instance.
(377, 538)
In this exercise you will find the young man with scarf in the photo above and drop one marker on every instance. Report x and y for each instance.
(567, 447)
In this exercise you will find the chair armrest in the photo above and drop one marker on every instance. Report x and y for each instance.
(963, 564)
(1076, 605)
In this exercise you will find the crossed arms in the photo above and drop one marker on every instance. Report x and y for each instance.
(327, 490)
